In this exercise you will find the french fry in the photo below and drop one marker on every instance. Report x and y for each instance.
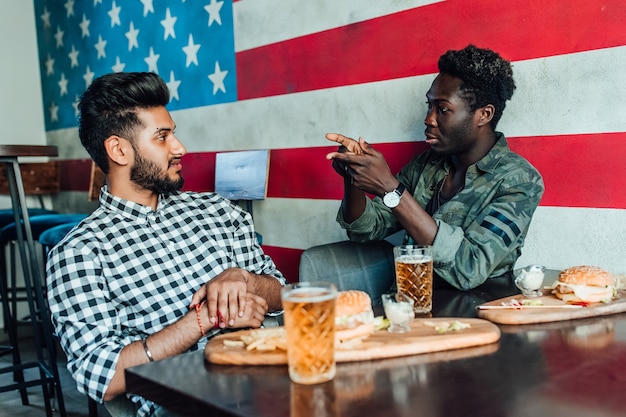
(264, 340)
(234, 343)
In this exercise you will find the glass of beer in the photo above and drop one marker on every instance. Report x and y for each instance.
(310, 326)
(414, 274)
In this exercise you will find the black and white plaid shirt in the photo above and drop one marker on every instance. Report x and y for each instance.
(127, 271)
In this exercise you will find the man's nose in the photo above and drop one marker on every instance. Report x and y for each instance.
(178, 147)
(430, 119)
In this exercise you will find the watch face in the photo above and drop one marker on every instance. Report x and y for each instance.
(391, 199)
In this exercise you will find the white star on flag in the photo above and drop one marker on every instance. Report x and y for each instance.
(73, 57)
(49, 65)
(119, 66)
(84, 27)
(59, 37)
(63, 85)
(172, 85)
(196, 58)
(45, 17)
(69, 6)
(168, 24)
(100, 47)
(75, 106)
(213, 9)
(151, 60)
(88, 77)
(54, 112)
(147, 7)
(217, 78)
(132, 36)
(191, 51)
(114, 14)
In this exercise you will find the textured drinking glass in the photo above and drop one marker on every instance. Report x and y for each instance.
(310, 325)
(399, 311)
(530, 280)
(414, 274)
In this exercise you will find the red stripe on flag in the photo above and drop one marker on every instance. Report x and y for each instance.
(305, 172)
(287, 260)
(409, 43)
(586, 170)
(199, 171)
(74, 174)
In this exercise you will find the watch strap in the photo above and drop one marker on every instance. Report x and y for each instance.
(399, 190)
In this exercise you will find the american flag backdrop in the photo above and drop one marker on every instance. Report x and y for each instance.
(190, 44)
(303, 68)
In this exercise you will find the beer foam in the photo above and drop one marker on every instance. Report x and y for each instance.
(308, 295)
(414, 259)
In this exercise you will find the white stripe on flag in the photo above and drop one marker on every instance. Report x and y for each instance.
(255, 26)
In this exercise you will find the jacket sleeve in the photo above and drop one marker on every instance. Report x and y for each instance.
(490, 242)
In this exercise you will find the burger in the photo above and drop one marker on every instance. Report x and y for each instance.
(354, 317)
(585, 284)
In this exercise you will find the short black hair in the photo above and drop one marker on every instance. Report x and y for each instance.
(486, 78)
(110, 105)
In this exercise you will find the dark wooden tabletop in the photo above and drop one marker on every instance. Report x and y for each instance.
(13, 151)
(568, 368)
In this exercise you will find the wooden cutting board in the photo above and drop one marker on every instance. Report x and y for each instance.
(381, 344)
(545, 315)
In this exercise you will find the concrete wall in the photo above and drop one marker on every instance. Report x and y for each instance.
(21, 115)
(568, 115)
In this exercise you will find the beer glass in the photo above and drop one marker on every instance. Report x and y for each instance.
(414, 274)
(310, 326)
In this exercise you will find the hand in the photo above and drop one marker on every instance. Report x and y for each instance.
(226, 294)
(348, 144)
(254, 313)
(368, 169)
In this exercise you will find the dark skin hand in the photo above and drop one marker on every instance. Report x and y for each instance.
(368, 168)
(368, 172)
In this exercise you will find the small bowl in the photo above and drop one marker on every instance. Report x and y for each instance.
(530, 280)
(399, 311)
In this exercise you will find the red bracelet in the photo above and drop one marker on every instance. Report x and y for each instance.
(198, 308)
(219, 318)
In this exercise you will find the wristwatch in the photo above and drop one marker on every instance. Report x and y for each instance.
(392, 198)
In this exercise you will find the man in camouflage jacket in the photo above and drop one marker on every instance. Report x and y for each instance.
(469, 195)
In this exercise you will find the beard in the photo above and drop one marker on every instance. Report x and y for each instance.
(457, 138)
(148, 175)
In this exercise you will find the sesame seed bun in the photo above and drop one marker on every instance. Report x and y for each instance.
(352, 302)
(585, 284)
(354, 317)
(587, 275)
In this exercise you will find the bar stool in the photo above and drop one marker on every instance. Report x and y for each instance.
(48, 375)
(48, 240)
(38, 179)
(8, 237)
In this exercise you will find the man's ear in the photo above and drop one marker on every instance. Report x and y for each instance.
(486, 114)
(118, 149)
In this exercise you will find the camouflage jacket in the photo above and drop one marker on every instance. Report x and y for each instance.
(481, 229)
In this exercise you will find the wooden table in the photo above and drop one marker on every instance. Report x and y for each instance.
(534, 370)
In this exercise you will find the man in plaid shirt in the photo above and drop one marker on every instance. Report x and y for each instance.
(153, 271)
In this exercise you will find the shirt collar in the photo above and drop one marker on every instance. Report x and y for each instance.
(488, 162)
(127, 208)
